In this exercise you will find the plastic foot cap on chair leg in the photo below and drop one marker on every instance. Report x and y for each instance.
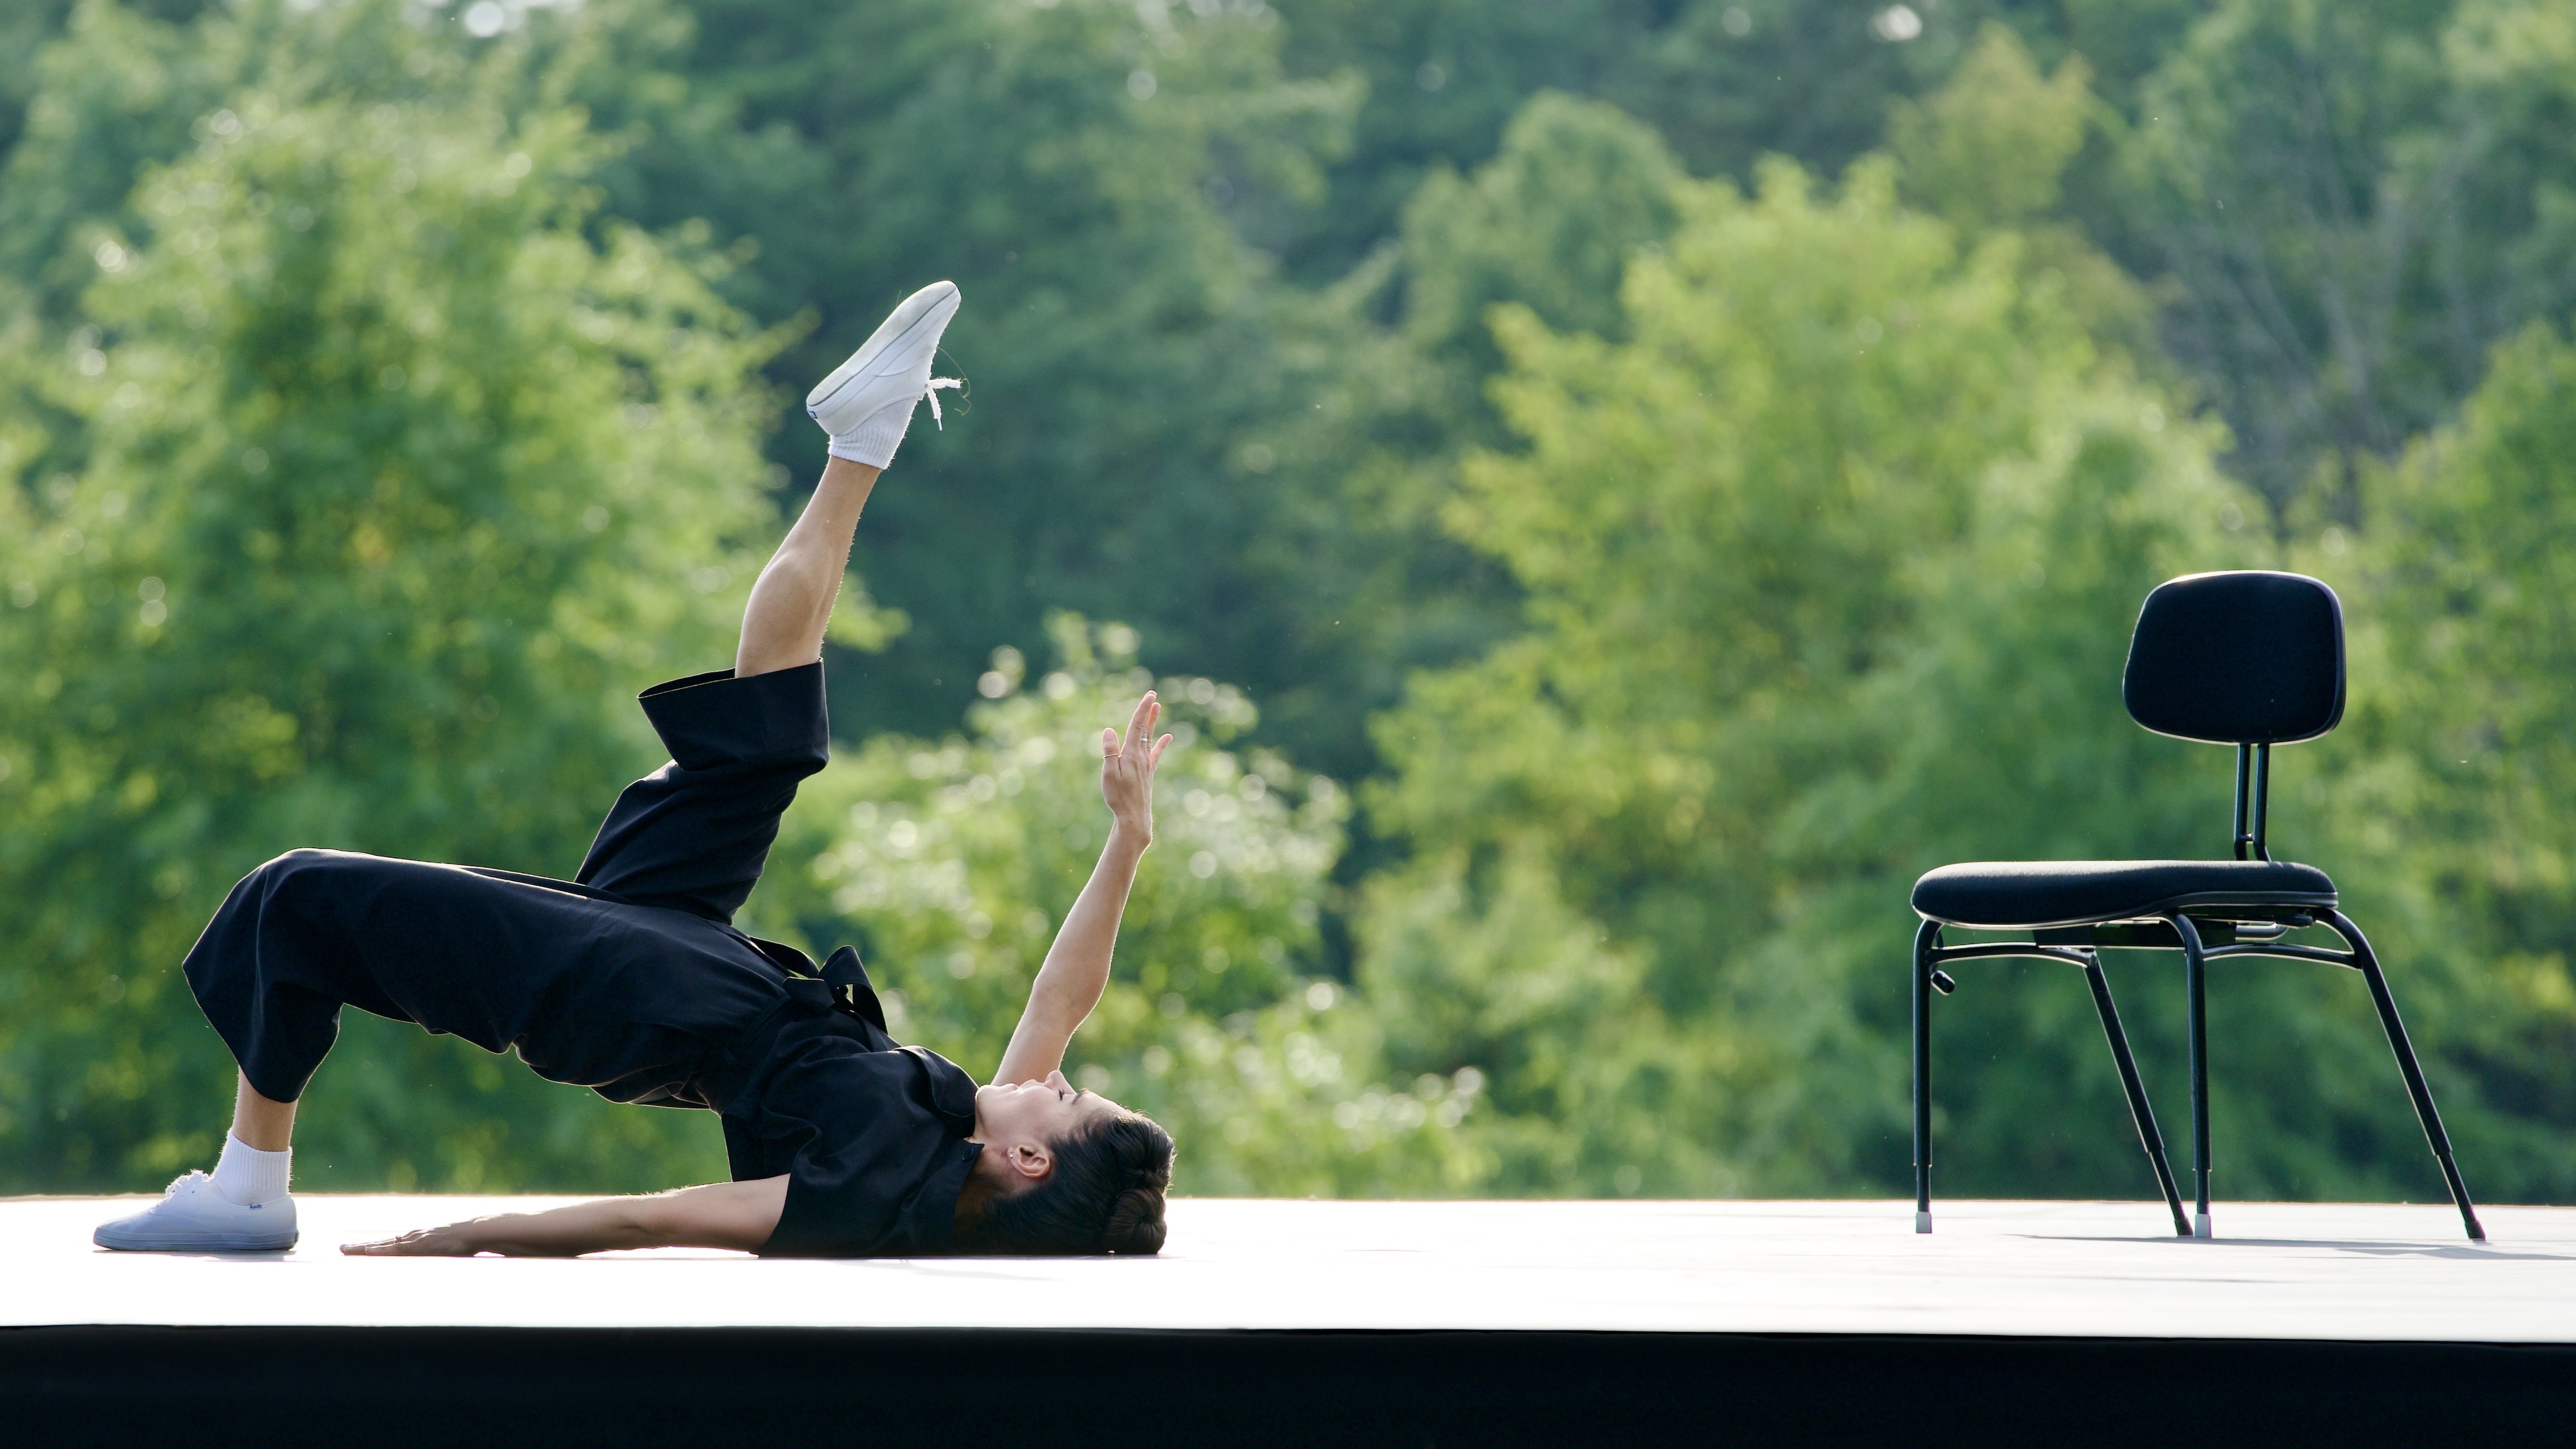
(2200, 1226)
(1922, 1222)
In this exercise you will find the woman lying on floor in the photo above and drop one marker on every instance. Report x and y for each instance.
(631, 979)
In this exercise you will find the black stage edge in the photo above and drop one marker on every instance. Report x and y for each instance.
(571, 1388)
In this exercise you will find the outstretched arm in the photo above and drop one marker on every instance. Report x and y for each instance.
(783, 624)
(738, 1215)
(1077, 965)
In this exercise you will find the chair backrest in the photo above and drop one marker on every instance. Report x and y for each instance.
(2247, 658)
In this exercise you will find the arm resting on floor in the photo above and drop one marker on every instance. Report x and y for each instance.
(739, 1215)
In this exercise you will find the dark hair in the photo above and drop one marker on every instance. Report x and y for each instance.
(1104, 1196)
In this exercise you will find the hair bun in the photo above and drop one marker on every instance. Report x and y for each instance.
(1135, 1222)
(1105, 1195)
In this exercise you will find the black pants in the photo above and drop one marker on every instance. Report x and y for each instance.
(630, 981)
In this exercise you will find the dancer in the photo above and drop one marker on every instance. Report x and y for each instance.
(630, 979)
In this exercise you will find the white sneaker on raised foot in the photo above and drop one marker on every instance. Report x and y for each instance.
(890, 370)
(194, 1218)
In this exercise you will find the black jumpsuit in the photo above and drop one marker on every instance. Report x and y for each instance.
(630, 979)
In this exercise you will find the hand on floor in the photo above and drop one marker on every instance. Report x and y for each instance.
(455, 1240)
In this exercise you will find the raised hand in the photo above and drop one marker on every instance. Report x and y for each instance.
(1127, 770)
(1076, 969)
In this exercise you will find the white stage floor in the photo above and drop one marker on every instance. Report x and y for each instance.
(2047, 1269)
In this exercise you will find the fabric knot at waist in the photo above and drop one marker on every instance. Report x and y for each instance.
(723, 1082)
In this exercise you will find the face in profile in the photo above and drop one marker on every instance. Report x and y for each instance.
(1064, 1171)
(1022, 1123)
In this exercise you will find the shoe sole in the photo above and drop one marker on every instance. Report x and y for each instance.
(196, 1242)
(830, 389)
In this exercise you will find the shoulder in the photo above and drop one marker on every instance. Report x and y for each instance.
(951, 1088)
(849, 1070)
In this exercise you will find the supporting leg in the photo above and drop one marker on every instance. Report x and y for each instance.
(2195, 973)
(1927, 939)
(2139, 1109)
(2368, 962)
(260, 1122)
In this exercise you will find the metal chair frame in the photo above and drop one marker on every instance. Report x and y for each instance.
(2203, 930)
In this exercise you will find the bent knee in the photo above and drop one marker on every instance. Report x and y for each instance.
(302, 868)
(299, 860)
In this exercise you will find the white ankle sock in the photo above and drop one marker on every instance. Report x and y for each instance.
(878, 434)
(246, 1176)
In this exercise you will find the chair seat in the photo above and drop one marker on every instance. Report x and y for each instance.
(2010, 895)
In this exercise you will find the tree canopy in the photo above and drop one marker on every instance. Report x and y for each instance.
(1611, 490)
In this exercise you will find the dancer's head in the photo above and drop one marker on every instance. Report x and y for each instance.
(1064, 1171)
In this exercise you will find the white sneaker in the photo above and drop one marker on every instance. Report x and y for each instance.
(194, 1218)
(892, 367)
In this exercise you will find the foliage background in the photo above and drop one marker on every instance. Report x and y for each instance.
(1612, 491)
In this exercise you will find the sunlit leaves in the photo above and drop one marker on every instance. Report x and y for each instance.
(1843, 459)
(951, 863)
(366, 487)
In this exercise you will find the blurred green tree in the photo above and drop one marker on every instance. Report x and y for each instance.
(1991, 148)
(363, 490)
(1724, 82)
(1379, 586)
(952, 861)
(1088, 173)
(1826, 567)
(1811, 610)
(2459, 751)
(2353, 203)
(1751, 547)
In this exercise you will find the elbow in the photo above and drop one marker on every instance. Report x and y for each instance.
(649, 1222)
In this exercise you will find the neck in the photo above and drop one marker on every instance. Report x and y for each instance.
(975, 1198)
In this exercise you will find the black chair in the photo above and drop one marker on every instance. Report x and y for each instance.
(2245, 659)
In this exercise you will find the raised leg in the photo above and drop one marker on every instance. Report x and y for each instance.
(2368, 963)
(1927, 939)
(791, 604)
(2139, 1109)
(2195, 983)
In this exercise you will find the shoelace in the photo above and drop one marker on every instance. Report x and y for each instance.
(932, 392)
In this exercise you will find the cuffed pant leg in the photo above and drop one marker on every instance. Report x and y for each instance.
(276, 964)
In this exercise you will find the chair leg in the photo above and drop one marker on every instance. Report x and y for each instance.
(1927, 939)
(2139, 1109)
(2195, 984)
(2368, 962)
